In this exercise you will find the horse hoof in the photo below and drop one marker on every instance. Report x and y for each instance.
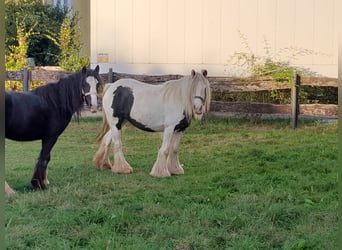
(164, 174)
(36, 184)
(177, 172)
(105, 166)
(122, 171)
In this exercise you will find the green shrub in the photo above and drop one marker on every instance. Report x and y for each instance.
(18, 85)
(270, 65)
(68, 41)
(40, 19)
(277, 67)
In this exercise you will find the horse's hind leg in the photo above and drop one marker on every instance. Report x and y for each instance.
(120, 166)
(173, 160)
(101, 158)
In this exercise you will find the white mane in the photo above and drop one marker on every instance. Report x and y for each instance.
(184, 90)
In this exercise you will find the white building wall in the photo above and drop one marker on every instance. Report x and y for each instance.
(174, 36)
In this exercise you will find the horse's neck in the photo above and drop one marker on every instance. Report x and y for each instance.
(176, 92)
(174, 85)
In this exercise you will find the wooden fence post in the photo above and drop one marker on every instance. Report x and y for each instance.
(295, 101)
(25, 79)
(110, 75)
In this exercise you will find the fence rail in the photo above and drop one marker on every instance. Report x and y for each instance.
(218, 84)
(221, 84)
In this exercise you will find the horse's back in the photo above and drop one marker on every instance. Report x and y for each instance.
(129, 83)
(21, 103)
(128, 89)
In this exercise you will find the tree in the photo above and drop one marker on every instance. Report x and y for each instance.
(16, 56)
(36, 19)
(68, 41)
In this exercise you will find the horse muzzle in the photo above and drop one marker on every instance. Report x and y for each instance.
(198, 116)
(92, 103)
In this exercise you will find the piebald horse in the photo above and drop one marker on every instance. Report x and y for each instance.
(44, 113)
(168, 107)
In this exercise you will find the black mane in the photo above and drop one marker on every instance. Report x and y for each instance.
(66, 94)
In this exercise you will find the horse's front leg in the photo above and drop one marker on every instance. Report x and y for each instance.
(173, 163)
(39, 179)
(120, 166)
(160, 168)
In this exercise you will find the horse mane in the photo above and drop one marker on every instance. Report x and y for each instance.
(65, 95)
(182, 91)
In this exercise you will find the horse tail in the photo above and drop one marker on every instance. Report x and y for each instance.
(107, 85)
(105, 128)
(105, 125)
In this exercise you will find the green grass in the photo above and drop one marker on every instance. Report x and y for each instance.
(247, 185)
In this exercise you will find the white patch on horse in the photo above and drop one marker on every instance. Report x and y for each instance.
(92, 81)
(168, 107)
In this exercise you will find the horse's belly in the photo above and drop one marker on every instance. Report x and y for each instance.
(23, 134)
(148, 113)
(148, 122)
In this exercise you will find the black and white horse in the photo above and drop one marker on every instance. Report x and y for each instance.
(44, 113)
(168, 108)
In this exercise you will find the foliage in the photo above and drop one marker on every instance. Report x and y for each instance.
(275, 97)
(38, 19)
(275, 65)
(270, 65)
(309, 95)
(29, 27)
(18, 86)
(69, 43)
(16, 57)
(247, 185)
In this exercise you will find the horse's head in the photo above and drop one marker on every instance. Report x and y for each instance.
(90, 87)
(201, 94)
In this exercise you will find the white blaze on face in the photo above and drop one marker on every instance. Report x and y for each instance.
(199, 99)
(198, 105)
(93, 93)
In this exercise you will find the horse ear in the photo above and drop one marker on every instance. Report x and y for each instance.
(97, 69)
(84, 70)
(193, 73)
(204, 72)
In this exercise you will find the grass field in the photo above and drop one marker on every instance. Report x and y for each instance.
(247, 185)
